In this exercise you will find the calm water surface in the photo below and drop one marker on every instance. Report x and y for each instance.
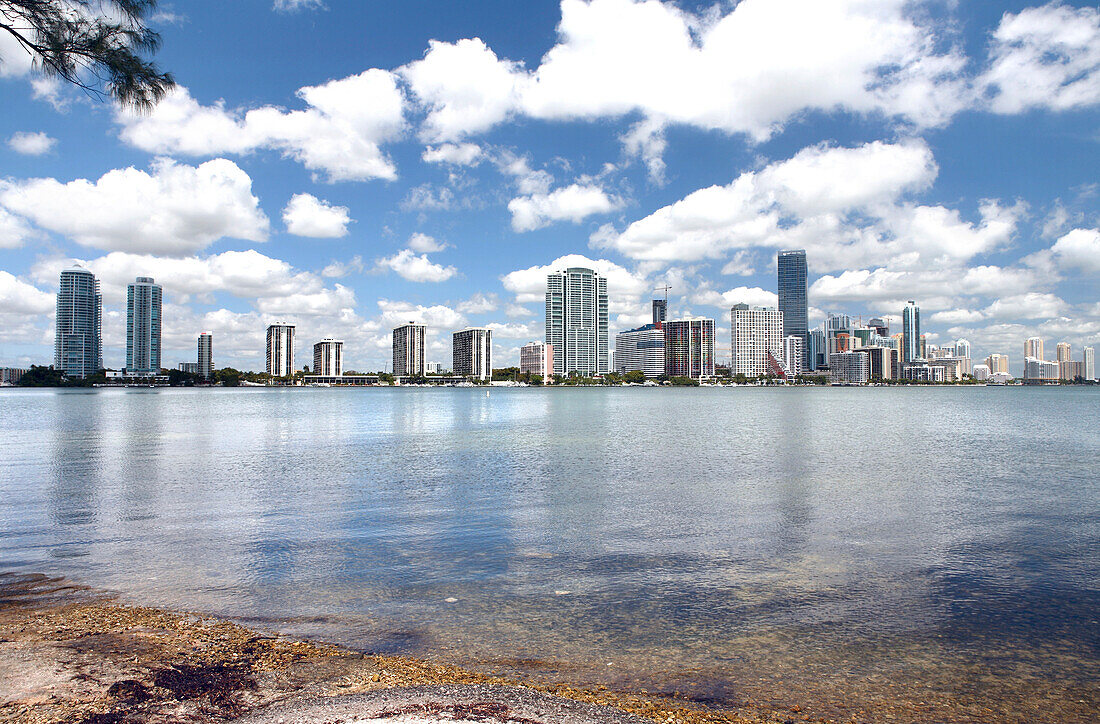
(925, 554)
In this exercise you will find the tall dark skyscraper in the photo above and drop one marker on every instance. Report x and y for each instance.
(660, 311)
(792, 294)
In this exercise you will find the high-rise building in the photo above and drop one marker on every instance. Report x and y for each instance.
(791, 273)
(1033, 347)
(280, 349)
(849, 368)
(755, 334)
(78, 339)
(206, 354)
(1038, 371)
(962, 348)
(472, 353)
(1088, 363)
(982, 373)
(997, 363)
(818, 352)
(881, 362)
(576, 321)
(143, 302)
(794, 355)
(689, 348)
(537, 358)
(328, 357)
(189, 367)
(910, 333)
(408, 350)
(880, 326)
(641, 350)
(1063, 352)
(660, 311)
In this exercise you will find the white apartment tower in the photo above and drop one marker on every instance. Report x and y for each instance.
(143, 321)
(280, 349)
(794, 354)
(754, 333)
(408, 350)
(328, 357)
(641, 350)
(206, 354)
(576, 321)
(1088, 363)
(472, 353)
(1033, 347)
(537, 358)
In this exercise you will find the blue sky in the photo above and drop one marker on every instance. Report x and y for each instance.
(349, 166)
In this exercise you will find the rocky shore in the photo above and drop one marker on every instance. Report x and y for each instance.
(69, 654)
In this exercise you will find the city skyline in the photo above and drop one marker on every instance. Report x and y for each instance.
(898, 187)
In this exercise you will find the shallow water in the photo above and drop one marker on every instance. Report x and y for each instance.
(928, 554)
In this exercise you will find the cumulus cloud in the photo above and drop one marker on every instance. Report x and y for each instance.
(478, 304)
(440, 316)
(624, 287)
(306, 215)
(338, 134)
(338, 269)
(31, 144)
(456, 154)
(17, 297)
(1044, 57)
(1079, 250)
(753, 296)
(13, 230)
(173, 209)
(570, 203)
(425, 244)
(416, 268)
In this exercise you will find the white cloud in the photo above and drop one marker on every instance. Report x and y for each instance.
(426, 197)
(624, 287)
(417, 268)
(292, 6)
(340, 133)
(478, 304)
(753, 296)
(518, 311)
(174, 209)
(338, 269)
(1044, 57)
(17, 297)
(322, 302)
(31, 144)
(956, 316)
(438, 316)
(13, 230)
(1079, 250)
(457, 154)
(425, 244)
(569, 203)
(1033, 305)
(306, 215)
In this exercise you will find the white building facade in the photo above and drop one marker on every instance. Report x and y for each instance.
(794, 355)
(408, 350)
(328, 358)
(755, 332)
(280, 349)
(205, 356)
(471, 353)
(537, 358)
(641, 350)
(577, 320)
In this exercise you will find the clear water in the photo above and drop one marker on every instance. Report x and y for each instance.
(925, 554)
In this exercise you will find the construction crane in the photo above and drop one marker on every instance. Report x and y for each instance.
(665, 289)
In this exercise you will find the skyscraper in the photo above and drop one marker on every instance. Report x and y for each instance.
(408, 350)
(660, 312)
(1088, 363)
(206, 354)
(1033, 347)
(962, 348)
(997, 363)
(910, 333)
(689, 348)
(576, 321)
(791, 267)
(280, 349)
(880, 326)
(641, 350)
(143, 301)
(755, 333)
(328, 357)
(1063, 352)
(472, 353)
(78, 341)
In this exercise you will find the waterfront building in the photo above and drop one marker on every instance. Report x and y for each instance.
(408, 350)
(922, 372)
(537, 358)
(836, 325)
(206, 354)
(191, 368)
(843, 342)
(576, 321)
(280, 349)
(328, 358)
(660, 311)
(911, 337)
(1062, 352)
(11, 375)
(689, 348)
(433, 368)
(997, 363)
(817, 353)
(794, 355)
(143, 304)
(962, 348)
(1033, 347)
(1088, 363)
(78, 338)
(791, 278)
(472, 352)
(1038, 371)
(881, 362)
(849, 368)
(641, 350)
(982, 373)
(756, 337)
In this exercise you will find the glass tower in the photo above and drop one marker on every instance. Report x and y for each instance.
(791, 267)
(910, 333)
(660, 311)
(78, 341)
(576, 321)
(143, 299)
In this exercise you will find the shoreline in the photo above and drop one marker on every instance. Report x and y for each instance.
(69, 653)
